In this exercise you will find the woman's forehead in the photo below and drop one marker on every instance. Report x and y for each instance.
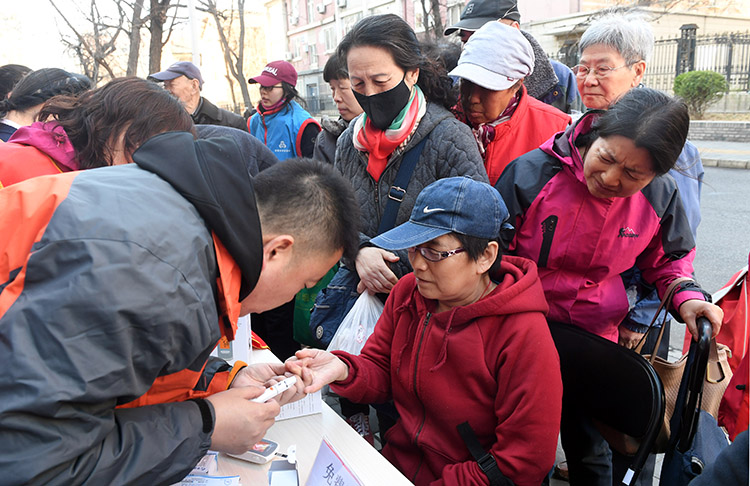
(601, 53)
(448, 240)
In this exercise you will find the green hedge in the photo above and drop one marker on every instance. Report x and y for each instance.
(699, 89)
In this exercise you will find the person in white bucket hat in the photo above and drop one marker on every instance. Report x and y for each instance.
(506, 122)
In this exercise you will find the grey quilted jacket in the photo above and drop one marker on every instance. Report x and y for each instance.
(450, 151)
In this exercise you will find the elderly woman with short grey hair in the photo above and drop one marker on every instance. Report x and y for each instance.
(614, 52)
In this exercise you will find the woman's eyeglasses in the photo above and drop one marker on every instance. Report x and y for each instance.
(434, 255)
(599, 72)
(269, 88)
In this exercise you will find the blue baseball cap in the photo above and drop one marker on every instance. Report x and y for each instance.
(451, 205)
(181, 68)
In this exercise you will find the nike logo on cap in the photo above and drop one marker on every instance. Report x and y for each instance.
(428, 209)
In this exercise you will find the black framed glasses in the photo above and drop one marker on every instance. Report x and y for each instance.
(434, 255)
(269, 88)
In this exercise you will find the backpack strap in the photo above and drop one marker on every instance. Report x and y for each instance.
(397, 192)
(486, 461)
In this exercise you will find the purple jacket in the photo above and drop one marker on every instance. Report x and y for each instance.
(582, 243)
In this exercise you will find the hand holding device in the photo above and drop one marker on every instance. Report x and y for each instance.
(276, 389)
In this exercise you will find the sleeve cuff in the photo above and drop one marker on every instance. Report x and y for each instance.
(639, 328)
(344, 356)
(207, 413)
(238, 365)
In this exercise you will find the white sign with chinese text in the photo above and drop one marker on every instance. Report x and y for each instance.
(329, 469)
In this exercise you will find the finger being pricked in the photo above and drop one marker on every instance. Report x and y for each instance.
(294, 393)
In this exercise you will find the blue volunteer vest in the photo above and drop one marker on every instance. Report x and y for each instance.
(281, 131)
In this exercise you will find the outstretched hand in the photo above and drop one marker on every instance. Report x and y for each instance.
(317, 368)
(690, 310)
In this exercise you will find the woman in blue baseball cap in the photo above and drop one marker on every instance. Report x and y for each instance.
(453, 346)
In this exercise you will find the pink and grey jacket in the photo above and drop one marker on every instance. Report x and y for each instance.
(582, 244)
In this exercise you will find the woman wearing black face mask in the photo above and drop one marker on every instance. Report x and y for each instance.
(405, 98)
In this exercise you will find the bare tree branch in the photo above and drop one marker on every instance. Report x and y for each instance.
(233, 58)
(94, 49)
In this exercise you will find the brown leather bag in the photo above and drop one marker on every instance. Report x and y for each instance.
(718, 372)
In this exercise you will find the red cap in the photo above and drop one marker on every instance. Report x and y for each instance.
(274, 72)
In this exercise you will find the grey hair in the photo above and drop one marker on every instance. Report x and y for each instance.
(628, 33)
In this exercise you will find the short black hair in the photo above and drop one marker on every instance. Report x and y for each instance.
(334, 69)
(309, 200)
(394, 34)
(475, 247)
(652, 120)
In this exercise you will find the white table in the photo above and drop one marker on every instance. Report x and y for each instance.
(306, 433)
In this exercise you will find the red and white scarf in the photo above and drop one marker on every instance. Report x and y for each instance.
(380, 144)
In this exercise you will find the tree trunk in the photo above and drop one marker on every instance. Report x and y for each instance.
(234, 61)
(157, 18)
(437, 19)
(241, 57)
(135, 38)
(425, 18)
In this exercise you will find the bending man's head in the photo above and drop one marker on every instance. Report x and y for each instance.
(310, 219)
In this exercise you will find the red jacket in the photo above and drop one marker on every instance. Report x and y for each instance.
(492, 363)
(532, 124)
(35, 150)
(20, 162)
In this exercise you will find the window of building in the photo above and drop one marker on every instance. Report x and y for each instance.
(329, 38)
(453, 15)
(312, 53)
(310, 10)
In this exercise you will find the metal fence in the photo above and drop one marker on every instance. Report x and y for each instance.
(728, 54)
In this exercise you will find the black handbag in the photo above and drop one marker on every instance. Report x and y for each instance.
(695, 440)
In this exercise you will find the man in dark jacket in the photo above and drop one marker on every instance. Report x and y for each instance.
(116, 284)
(183, 79)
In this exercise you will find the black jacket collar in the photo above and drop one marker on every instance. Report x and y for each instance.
(211, 175)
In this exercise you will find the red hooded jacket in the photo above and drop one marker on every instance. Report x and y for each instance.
(491, 363)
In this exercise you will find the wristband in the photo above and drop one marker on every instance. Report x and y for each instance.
(692, 286)
(206, 416)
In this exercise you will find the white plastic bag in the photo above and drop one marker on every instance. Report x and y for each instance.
(357, 325)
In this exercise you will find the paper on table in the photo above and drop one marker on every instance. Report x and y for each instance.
(312, 403)
(208, 464)
(195, 479)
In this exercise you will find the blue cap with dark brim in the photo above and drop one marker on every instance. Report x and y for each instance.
(452, 205)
